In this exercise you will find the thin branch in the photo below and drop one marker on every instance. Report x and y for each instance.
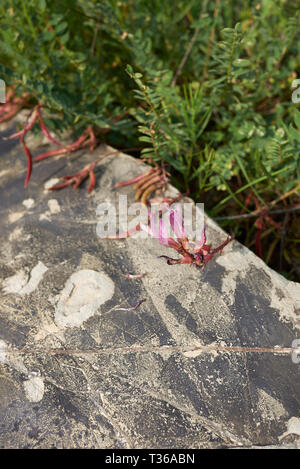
(95, 36)
(256, 213)
(283, 235)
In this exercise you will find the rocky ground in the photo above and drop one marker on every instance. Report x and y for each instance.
(204, 362)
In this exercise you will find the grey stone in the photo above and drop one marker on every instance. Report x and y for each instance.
(204, 362)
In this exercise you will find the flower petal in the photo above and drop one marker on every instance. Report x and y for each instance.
(177, 222)
(147, 229)
(163, 232)
(154, 230)
(201, 242)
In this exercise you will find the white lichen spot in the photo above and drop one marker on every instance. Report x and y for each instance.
(284, 303)
(293, 427)
(15, 283)
(13, 360)
(285, 297)
(294, 292)
(53, 209)
(3, 172)
(236, 265)
(53, 206)
(34, 388)
(15, 216)
(49, 328)
(36, 276)
(51, 183)
(15, 234)
(45, 216)
(284, 294)
(269, 407)
(28, 203)
(234, 261)
(84, 292)
(3, 347)
(23, 284)
(192, 353)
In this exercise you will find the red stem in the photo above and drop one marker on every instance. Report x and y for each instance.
(134, 180)
(46, 131)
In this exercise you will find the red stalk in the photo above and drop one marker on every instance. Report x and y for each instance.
(46, 131)
(92, 180)
(134, 180)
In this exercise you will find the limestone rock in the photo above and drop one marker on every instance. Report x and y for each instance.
(204, 362)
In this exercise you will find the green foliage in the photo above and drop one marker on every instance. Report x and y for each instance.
(213, 79)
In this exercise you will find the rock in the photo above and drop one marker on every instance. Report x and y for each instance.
(204, 362)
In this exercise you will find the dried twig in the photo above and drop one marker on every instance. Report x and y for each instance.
(95, 36)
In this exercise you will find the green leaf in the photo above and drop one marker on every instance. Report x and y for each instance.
(242, 63)
(297, 118)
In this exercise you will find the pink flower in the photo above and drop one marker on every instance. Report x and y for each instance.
(198, 254)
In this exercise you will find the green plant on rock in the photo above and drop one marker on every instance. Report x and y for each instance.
(213, 99)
